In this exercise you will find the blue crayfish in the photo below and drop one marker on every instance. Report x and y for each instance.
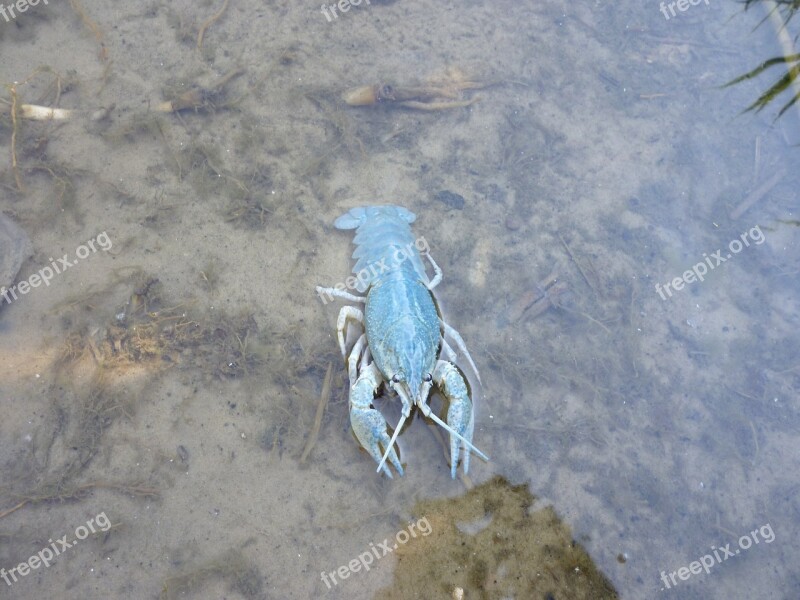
(404, 336)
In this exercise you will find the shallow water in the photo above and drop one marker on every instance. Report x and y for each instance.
(165, 385)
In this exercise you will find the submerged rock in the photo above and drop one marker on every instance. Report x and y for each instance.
(451, 199)
(15, 247)
(487, 544)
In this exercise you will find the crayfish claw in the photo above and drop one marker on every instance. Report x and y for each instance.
(368, 424)
(370, 429)
(460, 418)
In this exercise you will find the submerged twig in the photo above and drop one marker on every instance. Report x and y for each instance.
(208, 23)
(577, 264)
(14, 127)
(536, 300)
(724, 529)
(196, 98)
(5, 513)
(92, 26)
(323, 402)
(755, 440)
(78, 491)
(757, 194)
(439, 94)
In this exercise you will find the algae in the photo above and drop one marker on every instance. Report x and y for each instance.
(519, 554)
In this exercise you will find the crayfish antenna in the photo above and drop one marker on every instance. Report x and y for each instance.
(391, 443)
(433, 416)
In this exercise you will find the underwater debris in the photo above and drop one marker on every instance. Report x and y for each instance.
(535, 301)
(143, 337)
(89, 23)
(146, 332)
(196, 97)
(16, 108)
(208, 23)
(758, 194)
(248, 212)
(181, 97)
(517, 554)
(323, 402)
(450, 199)
(437, 94)
(241, 575)
(55, 465)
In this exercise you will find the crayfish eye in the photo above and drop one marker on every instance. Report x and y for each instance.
(428, 377)
(395, 379)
